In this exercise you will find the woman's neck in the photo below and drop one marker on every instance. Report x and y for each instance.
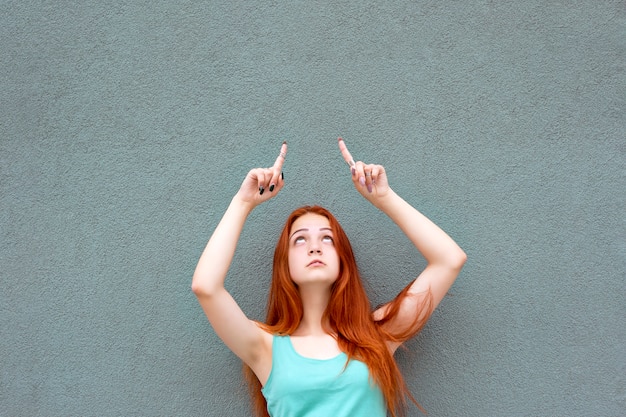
(314, 303)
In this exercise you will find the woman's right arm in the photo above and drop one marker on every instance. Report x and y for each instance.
(239, 333)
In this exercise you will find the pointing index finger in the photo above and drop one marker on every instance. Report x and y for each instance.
(345, 153)
(280, 160)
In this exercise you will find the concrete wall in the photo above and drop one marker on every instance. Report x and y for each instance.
(126, 127)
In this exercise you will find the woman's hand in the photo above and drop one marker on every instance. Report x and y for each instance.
(369, 179)
(261, 184)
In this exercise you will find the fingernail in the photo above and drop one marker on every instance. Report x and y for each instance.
(353, 171)
(282, 176)
(339, 139)
(369, 188)
(261, 190)
(362, 180)
(271, 187)
(284, 142)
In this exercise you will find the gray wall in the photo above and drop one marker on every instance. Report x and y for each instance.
(125, 128)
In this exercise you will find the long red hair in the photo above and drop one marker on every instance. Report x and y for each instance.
(349, 315)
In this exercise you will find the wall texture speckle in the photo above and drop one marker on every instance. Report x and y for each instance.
(126, 127)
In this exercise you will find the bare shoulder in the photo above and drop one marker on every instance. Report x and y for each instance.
(267, 337)
(264, 350)
(262, 363)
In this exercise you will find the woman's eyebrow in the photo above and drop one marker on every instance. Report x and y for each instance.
(304, 229)
(299, 230)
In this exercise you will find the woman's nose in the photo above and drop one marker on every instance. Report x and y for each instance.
(315, 248)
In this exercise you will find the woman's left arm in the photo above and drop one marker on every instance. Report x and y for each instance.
(443, 256)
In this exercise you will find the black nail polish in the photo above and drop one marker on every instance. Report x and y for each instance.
(261, 190)
(271, 187)
(282, 176)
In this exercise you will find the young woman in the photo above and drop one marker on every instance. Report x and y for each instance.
(322, 351)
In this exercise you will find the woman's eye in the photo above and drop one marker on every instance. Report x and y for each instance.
(298, 240)
(327, 239)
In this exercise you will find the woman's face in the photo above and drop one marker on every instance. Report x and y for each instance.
(313, 258)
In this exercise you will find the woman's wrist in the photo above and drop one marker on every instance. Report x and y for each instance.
(241, 204)
(387, 201)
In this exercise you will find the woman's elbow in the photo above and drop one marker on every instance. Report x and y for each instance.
(458, 259)
(200, 288)
(196, 288)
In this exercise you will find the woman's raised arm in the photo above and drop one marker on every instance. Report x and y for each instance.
(239, 333)
(443, 256)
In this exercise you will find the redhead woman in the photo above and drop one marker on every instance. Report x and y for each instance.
(322, 351)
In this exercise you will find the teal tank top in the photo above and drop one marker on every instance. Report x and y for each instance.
(304, 387)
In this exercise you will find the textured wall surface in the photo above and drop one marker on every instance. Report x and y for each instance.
(126, 127)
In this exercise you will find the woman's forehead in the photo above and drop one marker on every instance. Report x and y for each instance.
(310, 221)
